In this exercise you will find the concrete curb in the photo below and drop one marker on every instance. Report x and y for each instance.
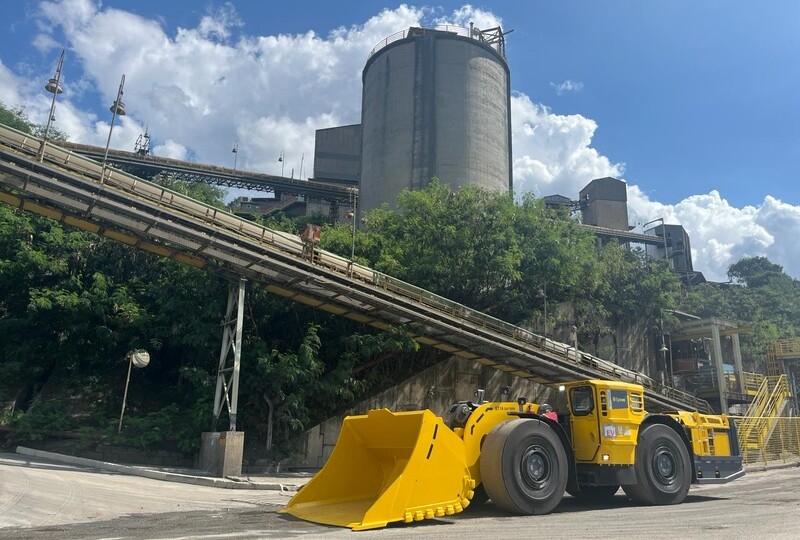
(156, 474)
(762, 468)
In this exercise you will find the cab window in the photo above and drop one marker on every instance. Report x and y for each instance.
(582, 400)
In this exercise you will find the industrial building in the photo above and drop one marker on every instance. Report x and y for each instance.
(337, 155)
(435, 103)
(603, 204)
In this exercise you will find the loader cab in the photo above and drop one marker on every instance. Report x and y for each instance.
(604, 421)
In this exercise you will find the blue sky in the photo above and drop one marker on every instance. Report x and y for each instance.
(694, 104)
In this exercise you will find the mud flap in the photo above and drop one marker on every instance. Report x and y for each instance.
(388, 467)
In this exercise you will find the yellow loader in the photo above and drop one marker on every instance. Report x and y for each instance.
(408, 466)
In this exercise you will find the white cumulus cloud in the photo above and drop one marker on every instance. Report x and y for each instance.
(9, 86)
(553, 152)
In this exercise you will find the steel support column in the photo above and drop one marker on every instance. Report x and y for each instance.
(737, 361)
(228, 372)
(720, 368)
(333, 212)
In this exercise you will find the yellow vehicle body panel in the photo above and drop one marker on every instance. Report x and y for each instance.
(388, 467)
(709, 433)
(606, 432)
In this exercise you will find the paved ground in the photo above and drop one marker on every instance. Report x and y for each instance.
(41, 499)
(35, 493)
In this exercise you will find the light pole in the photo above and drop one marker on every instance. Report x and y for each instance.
(353, 214)
(280, 159)
(139, 358)
(117, 108)
(663, 234)
(235, 153)
(54, 87)
(302, 159)
(663, 350)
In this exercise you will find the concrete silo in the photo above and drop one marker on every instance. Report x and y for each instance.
(435, 103)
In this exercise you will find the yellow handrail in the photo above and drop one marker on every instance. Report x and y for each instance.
(758, 424)
(780, 444)
(752, 382)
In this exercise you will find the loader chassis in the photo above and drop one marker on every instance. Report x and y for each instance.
(411, 466)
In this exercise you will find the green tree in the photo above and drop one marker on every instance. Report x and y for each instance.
(761, 295)
(558, 261)
(459, 244)
(16, 118)
(755, 272)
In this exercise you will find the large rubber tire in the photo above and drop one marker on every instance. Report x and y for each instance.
(663, 469)
(594, 494)
(524, 467)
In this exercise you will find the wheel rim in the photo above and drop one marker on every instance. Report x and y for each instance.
(665, 466)
(535, 467)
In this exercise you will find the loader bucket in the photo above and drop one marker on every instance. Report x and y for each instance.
(388, 467)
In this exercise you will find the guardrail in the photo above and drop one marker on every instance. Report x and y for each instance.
(787, 347)
(752, 383)
(758, 424)
(175, 205)
(213, 174)
(397, 36)
(781, 446)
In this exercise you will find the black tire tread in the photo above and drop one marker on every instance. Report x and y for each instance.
(647, 491)
(498, 461)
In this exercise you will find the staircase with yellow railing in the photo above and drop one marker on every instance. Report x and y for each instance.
(752, 383)
(778, 351)
(756, 427)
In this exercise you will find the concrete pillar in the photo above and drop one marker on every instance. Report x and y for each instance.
(737, 360)
(221, 453)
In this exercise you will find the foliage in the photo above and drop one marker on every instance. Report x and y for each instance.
(760, 295)
(206, 193)
(558, 262)
(44, 420)
(478, 248)
(16, 118)
(458, 244)
(755, 272)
